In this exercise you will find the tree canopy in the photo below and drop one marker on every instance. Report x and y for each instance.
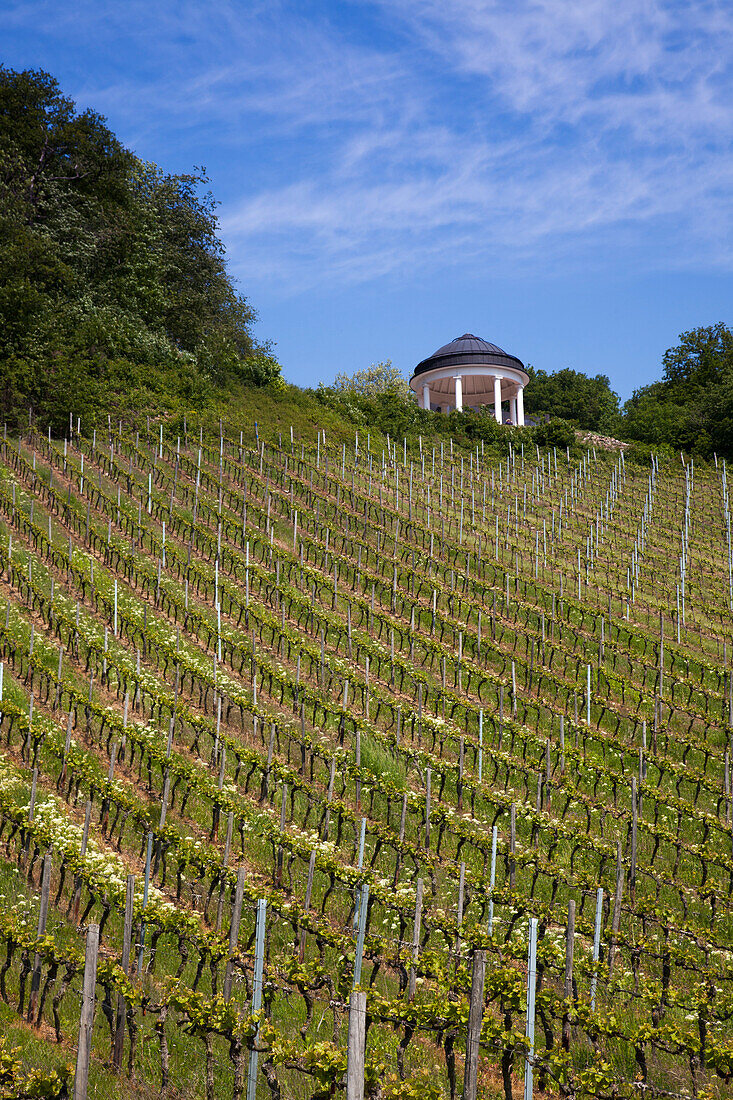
(589, 403)
(378, 378)
(692, 406)
(113, 283)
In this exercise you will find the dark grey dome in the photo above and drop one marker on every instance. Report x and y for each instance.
(468, 350)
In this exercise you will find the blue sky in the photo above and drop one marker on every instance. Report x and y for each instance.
(553, 176)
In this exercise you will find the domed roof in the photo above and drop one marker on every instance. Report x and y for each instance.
(468, 350)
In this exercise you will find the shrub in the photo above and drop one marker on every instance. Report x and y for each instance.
(555, 433)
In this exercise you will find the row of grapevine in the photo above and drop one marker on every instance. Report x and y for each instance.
(432, 747)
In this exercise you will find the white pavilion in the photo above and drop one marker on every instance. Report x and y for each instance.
(469, 373)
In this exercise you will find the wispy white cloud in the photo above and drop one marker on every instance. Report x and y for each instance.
(385, 135)
(548, 131)
(595, 59)
(572, 212)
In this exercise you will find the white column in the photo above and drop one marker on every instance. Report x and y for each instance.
(459, 392)
(426, 396)
(520, 406)
(513, 409)
(497, 398)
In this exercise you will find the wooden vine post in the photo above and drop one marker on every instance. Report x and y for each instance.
(307, 903)
(475, 1019)
(82, 852)
(492, 878)
(119, 1039)
(412, 977)
(257, 993)
(356, 1043)
(146, 888)
(41, 931)
(86, 1021)
(361, 933)
(531, 986)
(596, 947)
(234, 932)
(568, 984)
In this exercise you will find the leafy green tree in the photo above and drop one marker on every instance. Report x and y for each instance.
(590, 403)
(555, 433)
(378, 378)
(113, 283)
(702, 360)
(691, 408)
(261, 368)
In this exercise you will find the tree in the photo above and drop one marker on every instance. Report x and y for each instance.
(691, 408)
(378, 378)
(555, 433)
(261, 368)
(113, 281)
(50, 155)
(570, 395)
(702, 360)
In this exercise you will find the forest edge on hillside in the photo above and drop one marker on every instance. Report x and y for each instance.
(115, 301)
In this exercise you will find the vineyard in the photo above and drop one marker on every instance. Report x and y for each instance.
(385, 769)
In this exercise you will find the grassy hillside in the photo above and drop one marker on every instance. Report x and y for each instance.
(399, 698)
